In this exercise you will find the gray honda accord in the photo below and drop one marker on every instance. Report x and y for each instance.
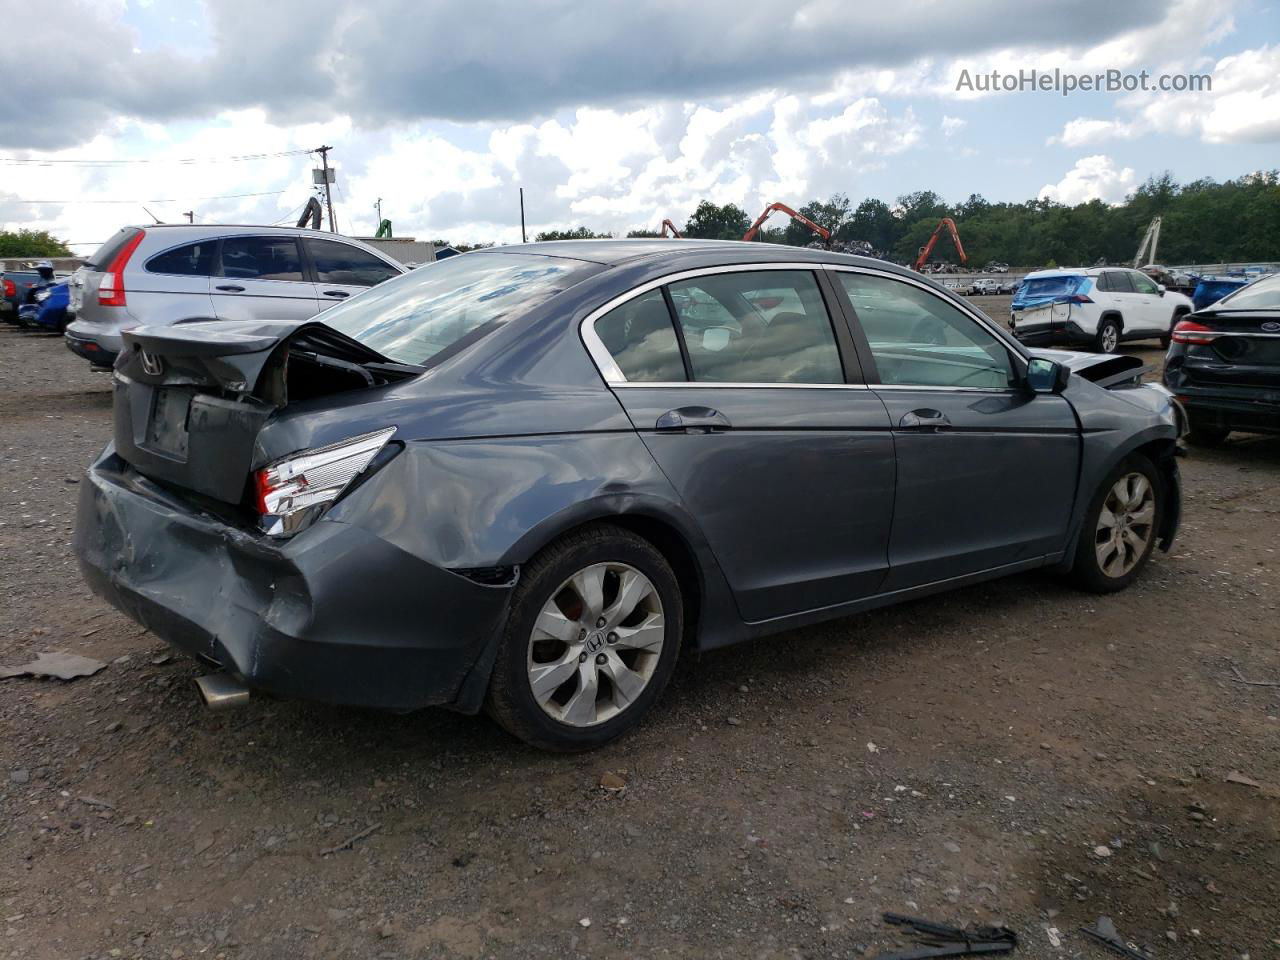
(528, 478)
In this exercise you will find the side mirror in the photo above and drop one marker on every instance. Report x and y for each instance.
(1046, 376)
(1160, 287)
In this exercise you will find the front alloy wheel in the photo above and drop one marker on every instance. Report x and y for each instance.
(1126, 525)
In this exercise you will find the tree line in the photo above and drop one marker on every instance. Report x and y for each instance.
(1203, 222)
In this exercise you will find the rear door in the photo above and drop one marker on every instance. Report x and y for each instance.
(174, 284)
(1155, 314)
(262, 278)
(986, 470)
(342, 270)
(752, 405)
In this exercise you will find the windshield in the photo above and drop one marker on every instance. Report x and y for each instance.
(1263, 294)
(417, 316)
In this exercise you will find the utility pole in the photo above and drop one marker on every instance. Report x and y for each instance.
(524, 238)
(328, 198)
(379, 207)
(191, 216)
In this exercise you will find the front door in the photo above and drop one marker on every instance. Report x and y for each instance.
(262, 278)
(986, 469)
(748, 405)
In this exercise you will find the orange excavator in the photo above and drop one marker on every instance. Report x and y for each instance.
(927, 249)
(668, 225)
(823, 232)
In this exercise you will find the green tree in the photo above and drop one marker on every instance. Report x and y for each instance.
(710, 222)
(31, 243)
(578, 233)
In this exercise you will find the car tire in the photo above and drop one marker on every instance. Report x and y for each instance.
(1206, 434)
(1108, 336)
(1107, 565)
(551, 591)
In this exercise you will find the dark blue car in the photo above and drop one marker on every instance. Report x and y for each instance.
(528, 478)
(50, 309)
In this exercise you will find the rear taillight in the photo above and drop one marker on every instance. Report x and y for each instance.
(9, 289)
(1078, 298)
(111, 287)
(293, 492)
(1188, 331)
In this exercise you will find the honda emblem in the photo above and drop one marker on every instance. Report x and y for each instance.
(151, 364)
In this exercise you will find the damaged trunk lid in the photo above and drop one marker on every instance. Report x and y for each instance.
(191, 399)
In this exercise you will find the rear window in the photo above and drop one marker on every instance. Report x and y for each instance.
(1060, 286)
(1261, 295)
(435, 310)
(192, 260)
(103, 256)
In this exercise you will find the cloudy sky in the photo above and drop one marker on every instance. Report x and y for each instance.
(610, 113)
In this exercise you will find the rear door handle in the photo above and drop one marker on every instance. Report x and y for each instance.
(692, 420)
(230, 288)
(340, 294)
(924, 420)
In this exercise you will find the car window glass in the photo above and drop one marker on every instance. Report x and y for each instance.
(102, 257)
(1142, 283)
(342, 263)
(640, 338)
(192, 260)
(919, 339)
(1261, 294)
(1103, 283)
(261, 258)
(1119, 282)
(757, 327)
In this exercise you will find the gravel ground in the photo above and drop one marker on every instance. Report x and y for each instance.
(1018, 753)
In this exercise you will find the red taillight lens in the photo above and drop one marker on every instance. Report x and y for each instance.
(1188, 331)
(1078, 298)
(111, 287)
(9, 289)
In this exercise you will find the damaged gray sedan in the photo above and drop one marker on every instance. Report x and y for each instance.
(529, 478)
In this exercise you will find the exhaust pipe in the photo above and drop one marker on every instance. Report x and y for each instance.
(221, 691)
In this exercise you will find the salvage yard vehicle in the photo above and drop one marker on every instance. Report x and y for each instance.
(985, 287)
(528, 478)
(175, 273)
(1099, 307)
(1224, 364)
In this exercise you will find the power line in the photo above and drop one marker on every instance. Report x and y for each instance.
(81, 162)
(225, 196)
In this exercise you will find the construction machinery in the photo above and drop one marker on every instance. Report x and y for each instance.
(1150, 241)
(384, 231)
(946, 223)
(311, 214)
(823, 232)
(667, 225)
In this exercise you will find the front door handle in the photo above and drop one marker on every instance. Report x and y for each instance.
(693, 420)
(340, 294)
(924, 420)
(230, 288)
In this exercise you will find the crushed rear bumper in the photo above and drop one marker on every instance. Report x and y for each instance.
(335, 614)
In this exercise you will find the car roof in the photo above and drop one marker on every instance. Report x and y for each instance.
(1071, 272)
(707, 252)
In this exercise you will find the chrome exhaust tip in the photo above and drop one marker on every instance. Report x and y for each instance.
(221, 691)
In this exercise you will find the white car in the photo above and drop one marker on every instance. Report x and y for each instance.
(986, 286)
(1099, 307)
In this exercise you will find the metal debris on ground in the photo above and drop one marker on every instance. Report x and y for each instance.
(940, 940)
(1105, 933)
(1238, 677)
(351, 841)
(61, 666)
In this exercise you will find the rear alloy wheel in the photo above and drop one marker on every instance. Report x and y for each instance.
(591, 642)
(1108, 337)
(1121, 527)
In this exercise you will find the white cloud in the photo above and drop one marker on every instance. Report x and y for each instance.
(1084, 131)
(953, 125)
(1092, 178)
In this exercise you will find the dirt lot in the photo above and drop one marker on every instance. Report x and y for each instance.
(1018, 752)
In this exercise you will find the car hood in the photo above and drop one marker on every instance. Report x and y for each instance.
(1098, 367)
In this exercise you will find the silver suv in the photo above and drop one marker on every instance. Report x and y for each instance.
(174, 273)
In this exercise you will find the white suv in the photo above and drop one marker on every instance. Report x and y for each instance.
(1097, 307)
(177, 273)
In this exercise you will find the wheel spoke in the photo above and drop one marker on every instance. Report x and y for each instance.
(1106, 518)
(555, 624)
(1136, 542)
(1144, 516)
(589, 584)
(646, 635)
(547, 678)
(633, 587)
(1106, 555)
(581, 708)
(627, 684)
(1138, 488)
